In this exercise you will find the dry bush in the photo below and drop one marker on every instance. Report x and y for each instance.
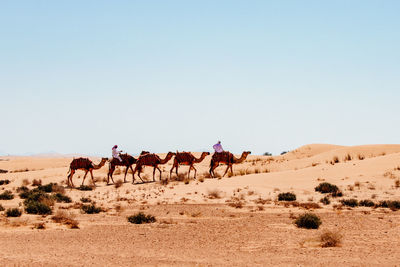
(40, 225)
(58, 189)
(257, 170)
(397, 183)
(118, 183)
(330, 239)
(119, 208)
(242, 172)
(36, 182)
(261, 201)
(361, 157)
(347, 157)
(65, 218)
(397, 168)
(335, 160)
(201, 179)
(357, 184)
(164, 181)
(235, 202)
(389, 174)
(25, 182)
(214, 194)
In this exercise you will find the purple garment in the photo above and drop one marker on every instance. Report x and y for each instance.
(218, 148)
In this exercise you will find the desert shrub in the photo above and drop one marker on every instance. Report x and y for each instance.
(214, 194)
(330, 239)
(1, 208)
(286, 196)
(393, 205)
(366, 203)
(118, 183)
(140, 218)
(85, 188)
(397, 183)
(3, 182)
(22, 189)
(235, 202)
(65, 218)
(85, 199)
(267, 154)
(62, 198)
(325, 200)
(37, 207)
(325, 188)
(36, 182)
(91, 209)
(308, 221)
(14, 212)
(6, 195)
(337, 194)
(40, 225)
(347, 157)
(284, 152)
(352, 202)
(48, 188)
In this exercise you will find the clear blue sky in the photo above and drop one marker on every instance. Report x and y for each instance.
(81, 76)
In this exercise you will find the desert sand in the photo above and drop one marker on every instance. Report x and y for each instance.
(232, 221)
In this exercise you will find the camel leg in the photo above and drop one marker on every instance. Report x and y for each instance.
(84, 177)
(226, 170)
(110, 173)
(160, 173)
(154, 171)
(91, 174)
(126, 171)
(170, 172)
(231, 170)
(190, 167)
(213, 167)
(195, 172)
(69, 181)
(139, 170)
(132, 172)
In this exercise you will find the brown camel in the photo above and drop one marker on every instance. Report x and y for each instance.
(84, 164)
(127, 161)
(186, 158)
(227, 158)
(152, 160)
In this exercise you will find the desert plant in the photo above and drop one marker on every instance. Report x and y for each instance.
(6, 195)
(62, 198)
(397, 183)
(325, 188)
(308, 221)
(286, 196)
(91, 209)
(14, 212)
(284, 152)
(361, 157)
(36, 182)
(85, 188)
(140, 218)
(85, 199)
(350, 202)
(65, 218)
(3, 182)
(118, 183)
(1, 208)
(330, 239)
(325, 200)
(214, 194)
(37, 207)
(347, 157)
(40, 225)
(22, 189)
(267, 154)
(366, 203)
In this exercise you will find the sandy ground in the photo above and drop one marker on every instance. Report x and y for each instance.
(234, 220)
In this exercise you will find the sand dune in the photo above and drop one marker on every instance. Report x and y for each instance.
(199, 222)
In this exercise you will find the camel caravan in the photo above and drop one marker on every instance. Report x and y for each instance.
(153, 160)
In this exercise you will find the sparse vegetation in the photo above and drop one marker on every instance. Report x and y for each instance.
(325, 200)
(361, 157)
(14, 212)
(3, 182)
(85, 199)
(214, 194)
(6, 195)
(91, 209)
(308, 221)
(235, 202)
(350, 202)
(326, 188)
(65, 218)
(1, 208)
(330, 239)
(37, 207)
(85, 188)
(286, 196)
(118, 183)
(397, 183)
(36, 182)
(267, 154)
(335, 160)
(140, 218)
(347, 157)
(366, 203)
(62, 198)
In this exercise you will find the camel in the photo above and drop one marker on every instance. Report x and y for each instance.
(127, 161)
(226, 158)
(186, 158)
(150, 160)
(86, 165)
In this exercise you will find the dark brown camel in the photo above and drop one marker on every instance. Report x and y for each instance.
(152, 160)
(127, 161)
(227, 158)
(186, 158)
(84, 164)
